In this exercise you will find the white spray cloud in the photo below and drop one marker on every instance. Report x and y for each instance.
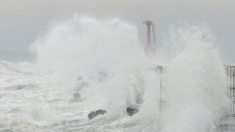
(195, 85)
(83, 46)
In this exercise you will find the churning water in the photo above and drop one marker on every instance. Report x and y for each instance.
(115, 75)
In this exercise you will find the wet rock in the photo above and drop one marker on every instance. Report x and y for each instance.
(93, 114)
(19, 87)
(76, 98)
(100, 112)
(131, 110)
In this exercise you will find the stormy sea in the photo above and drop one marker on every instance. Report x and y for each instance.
(92, 75)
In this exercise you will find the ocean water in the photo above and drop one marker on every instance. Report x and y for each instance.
(36, 96)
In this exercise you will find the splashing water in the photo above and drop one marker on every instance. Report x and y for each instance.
(195, 85)
(84, 46)
(106, 54)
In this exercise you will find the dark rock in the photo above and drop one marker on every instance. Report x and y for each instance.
(19, 87)
(76, 98)
(101, 112)
(92, 115)
(96, 113)
(131, 110)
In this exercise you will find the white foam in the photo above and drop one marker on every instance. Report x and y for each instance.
(194, 81)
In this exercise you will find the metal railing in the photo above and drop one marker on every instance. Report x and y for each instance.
(228, 123)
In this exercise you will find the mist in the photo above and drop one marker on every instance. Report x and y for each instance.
(22, 22)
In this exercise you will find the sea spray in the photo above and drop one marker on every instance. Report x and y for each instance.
(194, 81)
(179, 36)
(84, 46)
(195, 85)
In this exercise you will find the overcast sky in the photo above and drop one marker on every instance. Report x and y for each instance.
(23, 21)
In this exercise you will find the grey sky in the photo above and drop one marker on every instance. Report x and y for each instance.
(23, 21)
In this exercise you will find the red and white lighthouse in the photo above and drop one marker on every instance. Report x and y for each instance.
(149, 48)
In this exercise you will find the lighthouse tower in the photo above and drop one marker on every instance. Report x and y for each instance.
(149, 48)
